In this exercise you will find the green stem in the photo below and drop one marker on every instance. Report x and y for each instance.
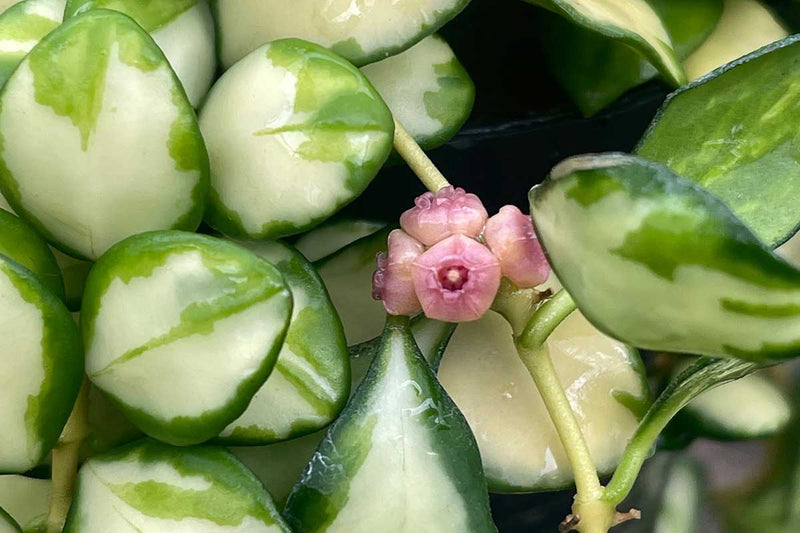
(703, 375)
(540, 365)
(536, 356)
(546, 319)
(417, 160)
(65, 461)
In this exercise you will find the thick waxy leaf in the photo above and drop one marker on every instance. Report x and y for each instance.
(42, 362)
(427, 89)
(292, 153)
(22, 244)
(741, 145)
(154, 488)
(183, 29)
(750, 408)
(181, 330)
(745, 26)
(8, 524)
(595, 70)
(124, 155)
(280, 465)
(311, 380)
(334, 235)
(360, 32)
(632, 22)
(400, 446)
(654, 260)
(348, 276)
(22, 26)
(26, 500)
(5, 4)
(521, 451)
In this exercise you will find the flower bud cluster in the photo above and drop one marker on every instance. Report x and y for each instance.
(449, 257)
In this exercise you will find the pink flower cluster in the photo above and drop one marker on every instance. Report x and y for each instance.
(449, 257)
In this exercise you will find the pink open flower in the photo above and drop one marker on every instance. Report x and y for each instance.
(392, 282)
(456, 280)
(448, 212)
(511, 238)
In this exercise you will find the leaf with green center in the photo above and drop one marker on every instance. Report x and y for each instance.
(41, 355)
(152, 487)
(745, 26)
(400, 446)
(291, 154)
(22, 244)
(311, 380)
(632, 22)
(333, 235)
(659, 263)
(427, 89)
(183, 29)
(361, 32)
(27, 500)
(22, 26)
(160, 313)
(124, 151)
(596, 70)
(741, 145)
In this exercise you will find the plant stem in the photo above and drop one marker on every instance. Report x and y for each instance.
(65, 461)
(417, 160)
(541, 368)
(703, 375)
(546, 319)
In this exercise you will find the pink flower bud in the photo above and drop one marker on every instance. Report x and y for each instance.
(511, 238)
(456, 280)
(392, 281)
(448, 212)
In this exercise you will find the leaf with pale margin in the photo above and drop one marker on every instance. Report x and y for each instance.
(659, 263)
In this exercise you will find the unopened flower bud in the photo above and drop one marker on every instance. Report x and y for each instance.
(456, 280)
(448, 212)
(511, 238)
(392, 282)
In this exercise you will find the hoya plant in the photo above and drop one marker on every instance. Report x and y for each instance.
(199, 332)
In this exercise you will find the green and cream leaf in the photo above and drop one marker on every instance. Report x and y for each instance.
(741, 146)
(125, 154)
(183, 29)
(333, 235)
(427, 89)
(360, 32)
(659, 263)
(20, 243)
(401, 446)
(22, 26)
(311, 380)
(595, 70)
(632, 22)
(160, 313)
(42, 361)
(291, 154)
(152, 487)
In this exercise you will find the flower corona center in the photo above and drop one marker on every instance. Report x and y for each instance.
(453, 278)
